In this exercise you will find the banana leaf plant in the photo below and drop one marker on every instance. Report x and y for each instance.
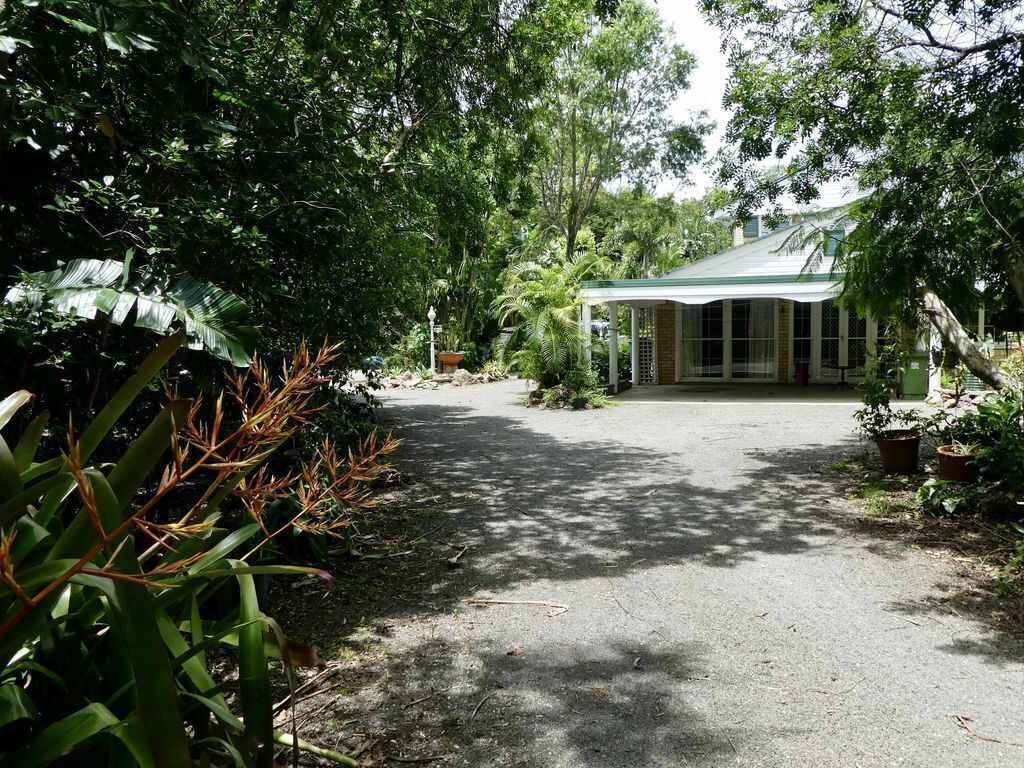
(213, 319)
(112, 594)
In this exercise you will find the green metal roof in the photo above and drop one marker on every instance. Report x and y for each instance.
(664, 282)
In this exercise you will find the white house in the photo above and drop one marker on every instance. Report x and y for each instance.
(753, 313)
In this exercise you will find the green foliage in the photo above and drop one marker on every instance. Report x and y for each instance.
(605, 115)
(946, 497)
(213, 319)
(919, 104)
(543, 301)
(310, 158)
(580, 379)
(996, 429)
(412, 350)
(599, 358)
(111, 597)
(1010, 575)
(880, 383)
(580, 388)
(647, 236)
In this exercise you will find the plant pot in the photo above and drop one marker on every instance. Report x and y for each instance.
(898, 449)
(957, 466)
(450, 361)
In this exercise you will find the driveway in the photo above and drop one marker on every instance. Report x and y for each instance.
(679, 585)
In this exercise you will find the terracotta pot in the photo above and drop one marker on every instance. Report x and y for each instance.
(898, 449)
(450, 361)
(957, 466)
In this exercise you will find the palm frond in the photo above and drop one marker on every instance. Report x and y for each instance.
(213, 319)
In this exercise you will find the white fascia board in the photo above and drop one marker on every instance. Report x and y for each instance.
(702, 294)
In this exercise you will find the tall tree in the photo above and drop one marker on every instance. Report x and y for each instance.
(922, 104)
(605, 114)
(287, 151)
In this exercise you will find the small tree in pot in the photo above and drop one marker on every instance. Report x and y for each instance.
(896, 432)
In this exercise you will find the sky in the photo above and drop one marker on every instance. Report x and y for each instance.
(707, 83)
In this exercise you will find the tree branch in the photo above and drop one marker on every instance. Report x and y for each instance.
(947, 324)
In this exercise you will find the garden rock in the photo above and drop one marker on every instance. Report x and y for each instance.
(463, 378)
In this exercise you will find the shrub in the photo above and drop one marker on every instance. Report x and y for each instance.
(412, 350)
(946, 497)
(599, 355)
(580, 388)
(996, 425)
(580, 379)
(111, 597)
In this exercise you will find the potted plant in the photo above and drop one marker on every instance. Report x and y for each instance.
(956, 461)
(450, 356)
(896, 432)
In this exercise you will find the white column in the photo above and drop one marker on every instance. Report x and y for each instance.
(981, 323)
(634, 339)
(585, 312)
(613, 345)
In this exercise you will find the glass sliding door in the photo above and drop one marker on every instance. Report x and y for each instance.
(857, 343)
(753, 339)
(802, 334)
(703, 341)
(830, 338)
(846, 339)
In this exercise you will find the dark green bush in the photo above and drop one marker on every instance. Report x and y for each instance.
(599, 356)
(413, 350)
(997, 426)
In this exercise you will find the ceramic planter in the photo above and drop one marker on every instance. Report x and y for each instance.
(899, 449)
(954, 465)
(450, 361)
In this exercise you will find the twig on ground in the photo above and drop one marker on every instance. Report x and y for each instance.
(366, 745)
(327, 673)
(729, 738)
(477, 708)
(637, 618)
(557, 609)
(414, 702)
(318, 692)
(424, 535)
(904, 618)
(424, 759)
(962, 721)
(833, 693)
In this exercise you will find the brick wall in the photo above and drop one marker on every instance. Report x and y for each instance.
(665, 318)
(785, 368)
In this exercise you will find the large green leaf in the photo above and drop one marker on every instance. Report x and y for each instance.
(253, 683)
(11, 404)
(157, 696)
(25, 449)
(15, 704)
(61, 737)
(214, 319)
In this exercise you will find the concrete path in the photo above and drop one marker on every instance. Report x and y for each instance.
(724, 608)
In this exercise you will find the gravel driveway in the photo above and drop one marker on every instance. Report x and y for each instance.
(723, 607)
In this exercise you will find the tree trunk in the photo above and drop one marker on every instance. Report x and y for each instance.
(1014, 263)
(570, 243)
(952, 331)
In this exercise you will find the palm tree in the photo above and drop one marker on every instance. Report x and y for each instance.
(543, 301)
